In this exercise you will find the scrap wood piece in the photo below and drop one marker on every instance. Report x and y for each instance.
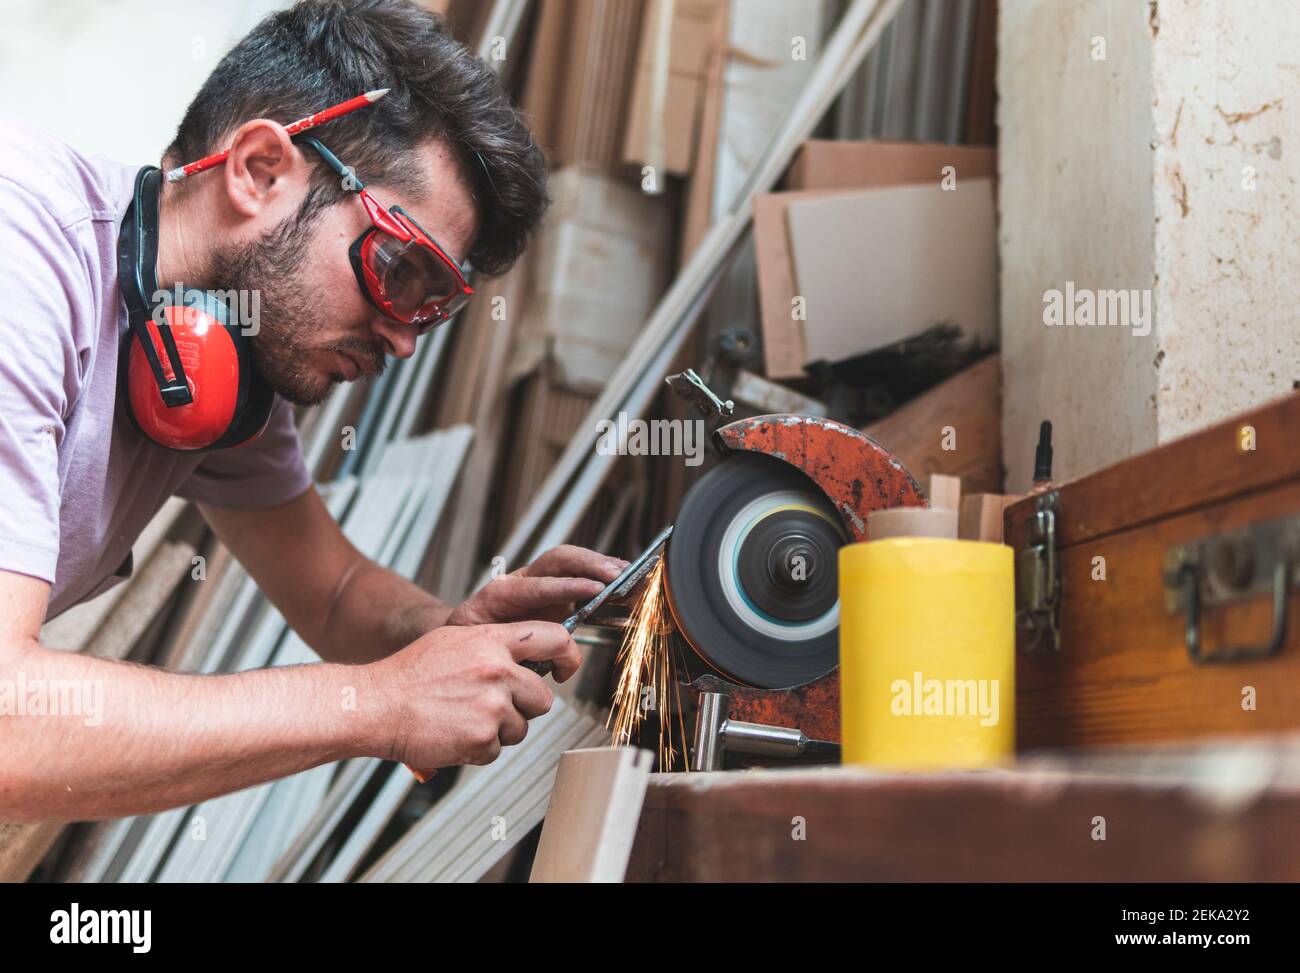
(981, 516)
(964, 413)
(593, 814)
(771, 397)
(945, 492)
(700, 190)
(487, 811)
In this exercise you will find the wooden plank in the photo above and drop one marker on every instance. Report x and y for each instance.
(866, 263)
(870, 163)
(23, 845)
(821, 168)
(580, 80)
(684, 74)
(524, 813)
(784, 342)
(429, 841)
(981, 517)
(970, 405)
(981, 104)
(592, 816)
(699, 195)
(1227, 814)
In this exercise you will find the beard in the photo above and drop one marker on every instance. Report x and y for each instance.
(283, 349)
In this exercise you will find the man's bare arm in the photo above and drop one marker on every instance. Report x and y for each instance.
(344, 605)
(107, 739)
(349, 609)
(85, 738)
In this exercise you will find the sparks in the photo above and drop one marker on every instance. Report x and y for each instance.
(647, 677)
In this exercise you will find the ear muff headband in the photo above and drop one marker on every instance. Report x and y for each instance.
(137, 263)
(214, 397)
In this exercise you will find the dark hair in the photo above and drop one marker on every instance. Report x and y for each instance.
(320, 52)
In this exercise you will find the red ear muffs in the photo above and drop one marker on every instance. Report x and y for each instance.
(219, 373)
(186, 374)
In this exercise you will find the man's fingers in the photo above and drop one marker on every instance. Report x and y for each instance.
(542, 641)
(532, 697)
(513, 729)
(527, 594)
(568, 560)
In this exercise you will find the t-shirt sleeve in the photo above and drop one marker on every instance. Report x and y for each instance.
(265, 472)
(39, 375)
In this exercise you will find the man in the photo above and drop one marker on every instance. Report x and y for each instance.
(434, 686)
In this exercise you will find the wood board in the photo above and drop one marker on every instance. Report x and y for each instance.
(970, 405)
(820, 170)
(592, 816)
(880, 266)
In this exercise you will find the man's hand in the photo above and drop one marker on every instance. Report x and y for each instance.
(550, 588)
(458, 695)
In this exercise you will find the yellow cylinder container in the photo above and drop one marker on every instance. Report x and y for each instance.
(927, 653)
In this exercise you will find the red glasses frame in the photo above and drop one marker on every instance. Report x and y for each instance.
(400, 226)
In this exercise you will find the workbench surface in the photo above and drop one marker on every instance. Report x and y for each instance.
(1223, 811)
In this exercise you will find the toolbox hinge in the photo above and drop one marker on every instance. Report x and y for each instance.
(1234, 566)
(1038, 578)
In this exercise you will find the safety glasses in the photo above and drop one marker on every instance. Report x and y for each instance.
(401, 270)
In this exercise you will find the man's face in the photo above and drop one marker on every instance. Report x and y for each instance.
(316, 328)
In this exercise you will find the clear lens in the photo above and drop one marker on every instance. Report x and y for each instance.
(410, 277)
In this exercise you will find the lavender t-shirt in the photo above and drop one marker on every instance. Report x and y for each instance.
(77, 482)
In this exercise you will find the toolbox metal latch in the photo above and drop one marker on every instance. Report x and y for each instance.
(1038, 578)
(1230, 567)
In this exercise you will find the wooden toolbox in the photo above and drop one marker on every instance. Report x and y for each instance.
(1158, 599)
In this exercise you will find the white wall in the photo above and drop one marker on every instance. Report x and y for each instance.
(114, 76)
(1127, 173)
(1227, 260)
(1074, 200)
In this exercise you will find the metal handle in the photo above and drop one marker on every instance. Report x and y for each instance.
(1192, 599)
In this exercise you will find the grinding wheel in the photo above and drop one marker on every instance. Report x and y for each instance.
(752, 573)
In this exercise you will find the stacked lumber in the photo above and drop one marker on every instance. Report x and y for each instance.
(580, 79)
(668, 93)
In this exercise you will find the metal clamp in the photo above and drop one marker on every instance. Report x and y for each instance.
(1038, 577)
(1231, 567)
